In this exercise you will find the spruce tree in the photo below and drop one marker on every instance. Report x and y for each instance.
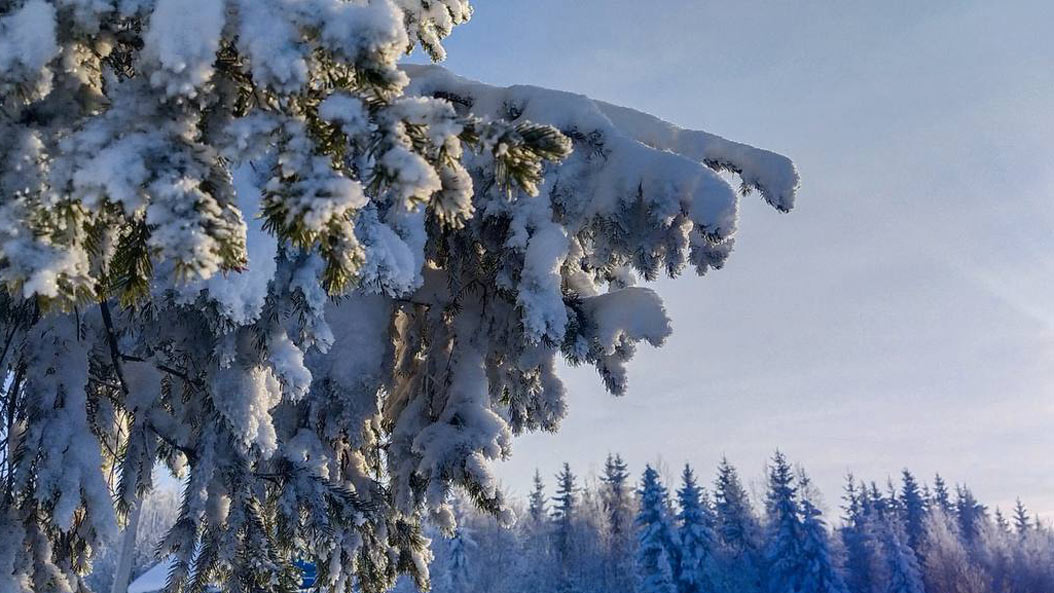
(797, 552)
(902, 573)
(818, 573)
(695, 537)
(1022, 523)
(942, 499)
(537, 508)
(970, 516)
(616, 496)
(535, 554)
(1001, 522)
(457, 576)
(738, 531)
(914, 510)
(948, 567)
(325, 290)
(893, 504)
(657, 559)
(784, 531)
(564, 511)
(875, 502)
(857, 538)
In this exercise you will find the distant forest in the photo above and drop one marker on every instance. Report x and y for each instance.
(625, 533)
(617, 533)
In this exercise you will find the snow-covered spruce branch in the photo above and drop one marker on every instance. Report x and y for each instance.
(238, 240)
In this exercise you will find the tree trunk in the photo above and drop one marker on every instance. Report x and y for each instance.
(124, 563)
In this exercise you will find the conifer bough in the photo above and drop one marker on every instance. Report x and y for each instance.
(239, 240)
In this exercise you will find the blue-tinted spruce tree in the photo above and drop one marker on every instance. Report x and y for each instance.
(902, 573)
(892, 502)
(970, 515)
(617, 499)
(458, 574)
(657, 558)
(537, 504)
(818, 573)
(783, 529)
(942, 499)
(738, 532)
(697, 543)
(239, 240)
(1001, 522)
(1022, 522)
(797, 551)
(616, 496)
(1030, 569)
(533, 549)
(914, 510)
(858, 538)
(565, 507)
(994, 550)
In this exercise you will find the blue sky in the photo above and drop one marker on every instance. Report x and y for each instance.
(903, 314)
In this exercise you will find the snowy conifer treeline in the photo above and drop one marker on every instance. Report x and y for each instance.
(623, 533)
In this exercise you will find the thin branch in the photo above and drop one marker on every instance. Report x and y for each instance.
(111, 338)
(164, 368)
(117, 357)
(104, 383)
(8, 340)
(191, 455)
(270, 477)
(12, 400)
